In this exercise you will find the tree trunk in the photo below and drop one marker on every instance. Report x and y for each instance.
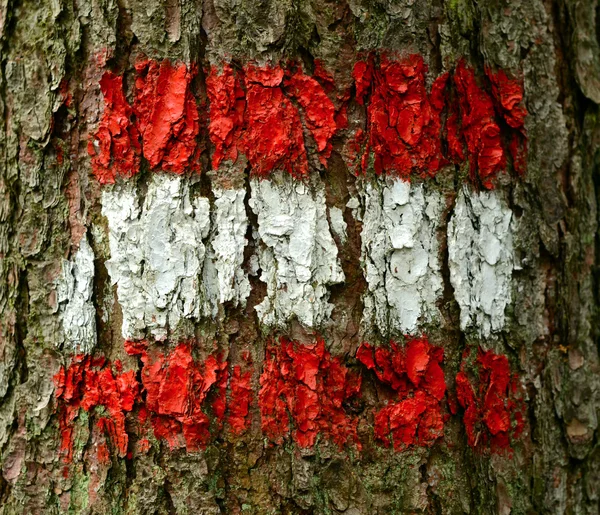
(299, 257)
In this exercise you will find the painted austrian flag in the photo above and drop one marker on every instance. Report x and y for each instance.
(261, 234)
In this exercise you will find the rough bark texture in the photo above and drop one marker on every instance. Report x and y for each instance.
(236, 273)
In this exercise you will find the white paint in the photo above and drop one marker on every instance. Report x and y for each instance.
(480, 250)
(298, 256)
(354, 205)
(400, 254)
(74, 291)
(228, 243)
(338, 224)
(157, 253)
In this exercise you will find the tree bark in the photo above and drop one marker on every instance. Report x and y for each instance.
(206, 248)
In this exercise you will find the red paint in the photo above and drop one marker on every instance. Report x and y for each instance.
(135, 347)
(490, 402)
(415, 375)
(479, 129)
(508, 94)
(167, 115)
(176, 389)
(65, 93)
(115, 149)
(454, 139)
(103, 453)
(497, 375)
(89, 383)
(227, 108)
(218, 373)
(303, 387)
(341, 117)
(181, 394)
(402, 133)
(256, 111)
(238, 416)
(323, 76)
(273, 138)
(319, 111)
(263, 123)
(363, 77)
(143, 445)
(403, 121)
(304, 392)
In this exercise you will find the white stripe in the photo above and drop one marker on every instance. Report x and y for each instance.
(400, 255)
(480, 250)
(298, 258)
(157, 253)
(74, 293)
(228, 243)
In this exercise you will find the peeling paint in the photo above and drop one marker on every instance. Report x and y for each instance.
(362, 73)
(404, 125)
(182, 396)
(273, 138)
(493, 402)
(403, 120)
(262, 122)
(176, 389)
(228, 244)
(87, 383)
(157, 253)
(304, 384)
(227, 108)
(508, 95)
(75, 290)
(400, 255)
(187, 400)
(323, 76)
(319, 111)
(354, 206)
(298, 256)
(167, 114)
(480, 258)
(115, 148)
(479, 129)
(414, 373)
